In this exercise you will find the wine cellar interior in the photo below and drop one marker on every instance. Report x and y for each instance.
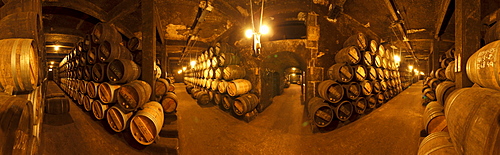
(249, 77)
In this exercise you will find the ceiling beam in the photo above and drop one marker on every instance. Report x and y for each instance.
(430, 40)
(124, 8)
(397, 19)
(444, 16)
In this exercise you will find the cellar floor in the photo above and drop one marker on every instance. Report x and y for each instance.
(282, 128)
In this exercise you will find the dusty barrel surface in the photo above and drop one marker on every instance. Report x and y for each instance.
(232, 72)
(146, 124)
(107, 92)
(99, 72)
(449, 72)
(472, 115)
(99, 109)
(122, 71)
(434, 119)
(341, 72)
(117, 118)
(437, 143)
(133, 95)
(239, 87)
(169, 102)
(483, 67)
(16, 118)
(161, 87)
(443, 90)
(245, 104)
(331, 91)
(19, 66)
(320, 112)
(350, 55)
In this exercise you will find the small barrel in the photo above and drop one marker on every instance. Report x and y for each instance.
(360, 73)
(202, 97)
(441, 74)
(161, 87)
(450, 53)
(371, 73)
(92, 89)
(341, 72)
(218, 98)
(227, 102)
(434, 119)
(437, 143)
(56, 105)
(107, 92)
(366, 88)
(232, 72)
(377, 61)
(367, 58)
(381, 51)
(87, 72)
(219, 73)
(380, 73)
(320, 112)
(117, 118)
(344, 110)
(133, 95)
(352, 90)
(122, 71)
(87, 103)
(483, 67)
(104, 31)
(215, 62)
(359, 40)
(99, 109)
(147, 123)
(360, 105)
(226, 59)
(430, 94)
(331, 91)
(373, 46)
(134, 44)
(380, 98)
(99, 72)
(169, 102)
(82, 86)
(19, 65)
(350, 55)
(245, 103)
(472, 115)
(449, 72)
(239, 87)
(443, 90)
(377, 88)
(383, 85)
(92, 55)
(371, 100)
(214, 85)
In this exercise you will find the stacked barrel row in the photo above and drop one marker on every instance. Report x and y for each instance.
(219, 78)
(444, 73)
(363, 78)
(471, 113)
(101, 75)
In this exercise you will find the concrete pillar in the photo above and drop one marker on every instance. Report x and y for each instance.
(467, 37)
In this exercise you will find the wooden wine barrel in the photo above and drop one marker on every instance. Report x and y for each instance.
(434, 83)
(472, 116)
(380, 98)
(387, 74)
(371, 73)
(87, 72)
(108, 51)
(373, 46)
(92, 89)
(320, 112)
(434, 119)
(133, 95)
(82, 86)
(245, 103)
(352, 90)
(360, 73)
(87, 103)
(343, 110)
(19, 66)
(16, 123)
(214, 85)
(218, 98)
(137, 57)
(446, 61)
(443, 90)
(117, 118)
(87, 42)
(169, 102)
(134, 44)
(122, 71)
(441, 74)
(227, 102)
(380, 73)
(367, 58)
(226, 59)
(366, 88)
(202, 97)
(161, 87)
(56, 105)
(223, 48)
(239, 87)
(341, 72)
(107, 92)
(147, 123)
(377, 61)
(359, 40)
(449, 72)
(104, 31)
(377, 88)
(219, 73)
(437, 143)
(99, 72)
(371, 101)
(232, 72)
(432, 74)
(208, 84)
(483, 67)
(350, 55)
(381, 51)
(360, 105)
(215, 62)
(331, 91)
(99, 109)
(383, 85)
(430, 94)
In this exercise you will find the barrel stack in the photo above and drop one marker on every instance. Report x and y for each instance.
(363, 78)
(102, 75)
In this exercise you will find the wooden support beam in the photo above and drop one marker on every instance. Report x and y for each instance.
(444, 16)
(434, 56)
(148, 43)
(124, 8)
(467, 37)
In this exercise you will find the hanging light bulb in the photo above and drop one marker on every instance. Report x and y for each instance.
(264, 29)
(249, 33)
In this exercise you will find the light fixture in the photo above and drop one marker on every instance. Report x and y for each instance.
(416, 71)
(293, 74)
(56, 47)
(192, 63)
(52, 62)
(51, 66)
(422, 73)
(410, 67)
(179, 72)
(264, 29)
(293, 68)
(184, 68)
(397, 59)
(50, 69)
(249, 33)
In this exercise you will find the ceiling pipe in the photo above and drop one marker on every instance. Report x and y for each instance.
(399, 24)
(203, 9)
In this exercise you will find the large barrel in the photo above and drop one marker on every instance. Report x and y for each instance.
(107, 92)
(226, 59)
(320, 112)
(227, 102)
(434, 119)
(117, 118)
(133, 95)
(341, 72)
(350, 55)
(483, 67)
(169, 102)
(147, 123)
(443, 90)
(87, 102)
(446, 62)
(441, 74)
(366, 88)
(352, 90)
(359, 40)
(16, 123)
(371, 101)
(104, 31)
(367, 58)
(245, 103)
(344, 110)
(134, 44)
(360, 105)
(360, 72)
(437, 143)
(377, 61)
(232, 72)
(372, 73)
(331, 91)
(202, 97)
(434, 83)
(56, 105)
(161, 87)
(99, 72)
(239, 87)
(92, 55)
(472, 115)
(122, 71)
(99, 109)
(92, 89)
(18, 65)
(430, 94)
(450, 71)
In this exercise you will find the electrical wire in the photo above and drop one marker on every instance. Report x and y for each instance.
(251, 16)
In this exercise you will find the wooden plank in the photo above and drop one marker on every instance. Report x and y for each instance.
(467, 37)
(149, 43)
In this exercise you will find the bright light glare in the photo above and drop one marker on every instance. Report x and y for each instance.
(397, 59)
(422, 73)
(249, 33)
(416, 71)
(184, 68)
(179, 72)
(52, 62)
(264, 29)
(294, 68)
(410, 67)
(192, 63)
(293, 74)
(56, 47)
(51, 66)
(50, 69)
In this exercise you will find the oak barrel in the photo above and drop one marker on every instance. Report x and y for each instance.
(169, 102)
(443, 90)
(367, 58)
(57, 105)
(437, 143)
(331, 91)
(19, 66)
(366, 88)
(360, 72)
(430, 94)
(483, 67)
(92, 89)
(344, 110)
(16, 124)
(232, 72)
(227, 102)
(134, 44)
(122, 71)
(99, 109)
(320, 112)
(87, 103)
(372, 73)
(440, 74)
(450, 71)
(360, 105)
(147, 123)
(99, 72)
(239, 87)
(245, 103)
(107, 92)
(161, 87)
(359, 40)
(350, 55)
(133, 95)
(371, 101)
(226, 59)
(104, 31)
(117, 118)
(341, 72)
(352, 90)
(434, 119)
